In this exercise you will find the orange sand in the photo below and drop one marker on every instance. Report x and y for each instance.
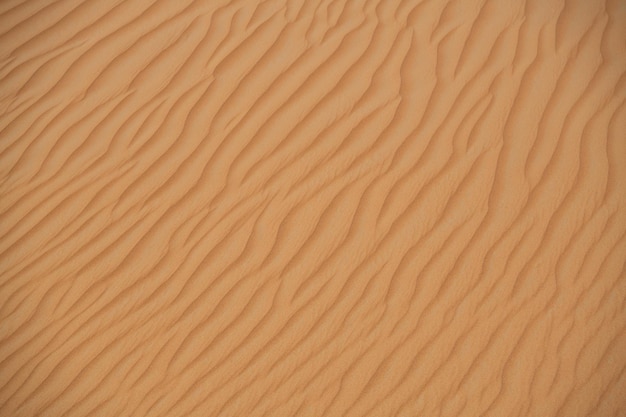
(336, 208)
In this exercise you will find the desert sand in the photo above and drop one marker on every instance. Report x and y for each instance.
(337, 208)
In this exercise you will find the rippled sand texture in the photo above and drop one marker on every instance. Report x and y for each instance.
(312, 208)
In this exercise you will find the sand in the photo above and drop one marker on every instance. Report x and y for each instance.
(312, 208)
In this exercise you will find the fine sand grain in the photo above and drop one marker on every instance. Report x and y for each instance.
(316, 208)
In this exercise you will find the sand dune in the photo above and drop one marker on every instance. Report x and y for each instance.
(312, 208)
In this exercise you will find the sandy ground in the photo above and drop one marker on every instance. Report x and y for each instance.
(310, 208)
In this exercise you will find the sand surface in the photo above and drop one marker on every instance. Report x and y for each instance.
(337, 208)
